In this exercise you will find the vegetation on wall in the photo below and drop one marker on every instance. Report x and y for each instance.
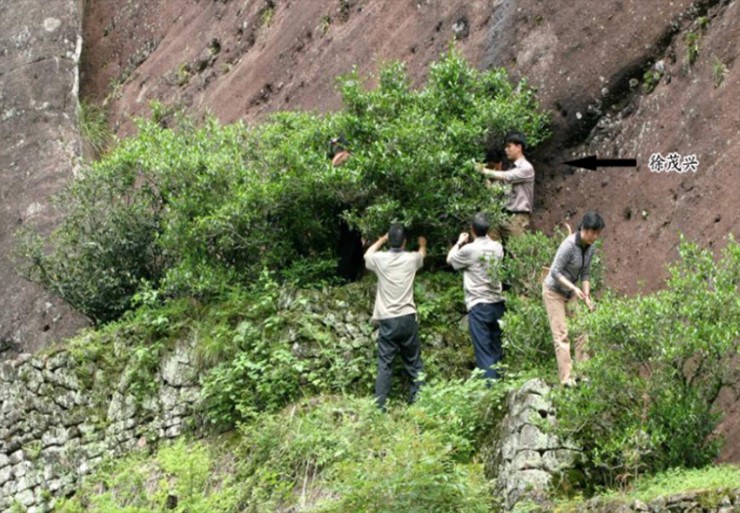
(327, 454)
(94, 128)
(281, 347)
(712, 484)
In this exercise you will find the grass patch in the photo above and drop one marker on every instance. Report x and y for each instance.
(676, 481)
(692, 46)
(650, 80)
(94, 128)
(325, 454)
(267, 14)
(671, 482)
(719, 70)
(183, 476)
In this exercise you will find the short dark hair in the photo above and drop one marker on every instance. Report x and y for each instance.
(480, 224)
(337, 145)
(494, 155)
(396, 235)
(591, 221)
(516, 138)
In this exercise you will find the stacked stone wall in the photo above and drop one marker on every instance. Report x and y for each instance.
(55, 427)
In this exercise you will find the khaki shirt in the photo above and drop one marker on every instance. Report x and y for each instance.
(396, 271)
(476, 260)
(521, 178)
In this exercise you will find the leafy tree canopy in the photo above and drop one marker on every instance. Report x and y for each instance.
(197, 208)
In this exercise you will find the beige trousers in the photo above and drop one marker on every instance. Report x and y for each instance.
(558, 309)
(517, 225)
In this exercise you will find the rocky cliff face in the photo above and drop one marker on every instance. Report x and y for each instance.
(672, 95)
(40, 45)
(621, 78)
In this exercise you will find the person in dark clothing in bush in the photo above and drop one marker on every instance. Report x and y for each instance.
(350, 245)
(521, 178)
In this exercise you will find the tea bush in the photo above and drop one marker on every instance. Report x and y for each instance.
(659, 364)
(194, 210)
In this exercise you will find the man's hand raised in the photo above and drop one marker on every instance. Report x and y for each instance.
(422, 245)
(376, 245)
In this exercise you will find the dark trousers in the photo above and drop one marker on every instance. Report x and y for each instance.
(398, 335)
(486, 334)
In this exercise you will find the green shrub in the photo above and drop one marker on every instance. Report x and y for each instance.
(650, 80)
(359, 460)
(440, 312)
(195, 210)
(106, 246)
(181, 477)
(527, 341)
(659, 364)
(279, 348)
(283, 344)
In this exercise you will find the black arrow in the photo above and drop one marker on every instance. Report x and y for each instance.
(592, 162)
